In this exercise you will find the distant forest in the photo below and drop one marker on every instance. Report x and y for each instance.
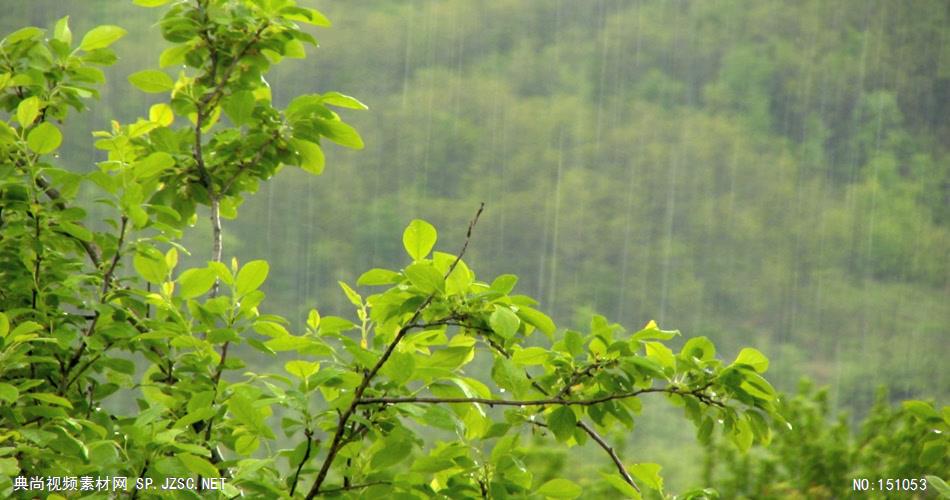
(760, 172)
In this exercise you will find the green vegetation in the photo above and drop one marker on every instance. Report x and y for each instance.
(755, 172)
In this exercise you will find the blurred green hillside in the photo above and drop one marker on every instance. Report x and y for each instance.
(769, 173)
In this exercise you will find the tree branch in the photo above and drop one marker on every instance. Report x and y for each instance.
(621, 468)
(368, 376)
(557, 401)
(106, 285)
(306, 455)
(93, 251)
(353, 487)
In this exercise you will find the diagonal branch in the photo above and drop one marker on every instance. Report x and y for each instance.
(91, 249)
(368, 376)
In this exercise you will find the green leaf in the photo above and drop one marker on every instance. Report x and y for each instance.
(173, 55)
(4, 325)
(424, 276)
(530, 356)
(341, 100)
(76, 231)
(395, 450)
(648, 475)
(305, 15)
(335, 324)
(25, 328)
(101, 37)
(660, 353)
(153, 164)
(247, 444)
(195, 282)
(301, 369)
(68, 444)
(400, 367)
(7, 134)
(51, 399)
(8, 393)
(562, 421)
(246, 413)
(560, 488)
(504, 284)
(27, 111)
(341, 133)
(152, 269)
(250, 277)
(351, 294)
(742, 435)
(150, 3)
(419, 238)
(943, 489)
(537, 319)
(504, 322)
(753, 358)
(757, 386)
(651, 331)
(198, 465)
(62, 32)
(376, 277)
(933, 452)
(699, 347)
(921, 410)
(620, 485)
(239, 107)
(270, 328)
(152, 81)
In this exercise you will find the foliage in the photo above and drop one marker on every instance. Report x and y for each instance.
(81, 334)
(815, 458)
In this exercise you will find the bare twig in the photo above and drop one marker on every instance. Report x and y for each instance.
(368, 376)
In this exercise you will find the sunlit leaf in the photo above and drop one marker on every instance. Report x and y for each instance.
(754, 358)
(504, 322)
(101, 37)
(151, 81)
(419, 238)
(250, 277)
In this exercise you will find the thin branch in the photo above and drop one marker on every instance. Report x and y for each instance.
(106, 285)
(603, 444)
(353, 487)
(610, 451)
(93, 251)
(621, 468)
(245, 165)
(369, 375)
(306, 455)
(705, 398)
(107, 277)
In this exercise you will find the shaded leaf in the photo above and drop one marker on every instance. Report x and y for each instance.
(560, 488)
(562, 421)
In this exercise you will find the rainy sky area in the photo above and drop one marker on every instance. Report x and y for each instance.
(764, 173)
